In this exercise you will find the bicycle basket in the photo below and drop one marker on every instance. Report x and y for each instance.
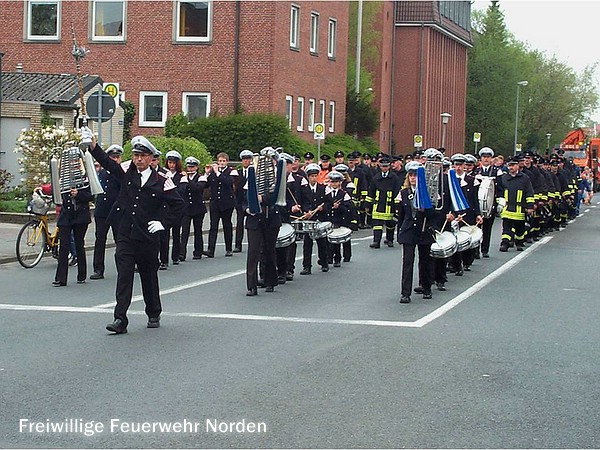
(38, 206)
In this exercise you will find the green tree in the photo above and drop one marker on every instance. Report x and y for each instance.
(128, 116)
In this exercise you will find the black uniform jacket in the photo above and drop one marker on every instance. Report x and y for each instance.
(222, 195)
(311, 200)
(411, 221)
(104, 202)
(75, 210)
(470, 187)
(137, 205)
(192, 193)
(342, 215)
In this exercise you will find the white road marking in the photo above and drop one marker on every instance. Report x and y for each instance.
(439, 312)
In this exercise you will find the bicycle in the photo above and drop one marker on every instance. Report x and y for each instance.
(34, 238)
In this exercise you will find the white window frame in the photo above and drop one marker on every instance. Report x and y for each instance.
(289, 109)
(295, 27)
(311, 114)
(322, 111)
(147, 123)
(179, 38)
(314, 32)
(331, 116)
(96, 38)
(300, 118)
(32, 37)
(331, 38)
(185, 103)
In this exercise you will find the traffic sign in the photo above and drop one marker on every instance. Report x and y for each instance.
(319, 130)
(476, 137)
(107, 110)
(112, 89)
(418, 140)
(518, 149)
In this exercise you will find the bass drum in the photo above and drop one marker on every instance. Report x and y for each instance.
(445, 245)
(485, 194)
(339, 235)
(286, 236)
(476, 235)
(463, 238)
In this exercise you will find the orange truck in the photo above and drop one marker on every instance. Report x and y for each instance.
(584, 151)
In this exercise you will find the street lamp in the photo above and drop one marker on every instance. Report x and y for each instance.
(548, 139)
(445, 119)
(519, 84)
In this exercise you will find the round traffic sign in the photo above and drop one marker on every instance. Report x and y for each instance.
(319, 128)
(112, 89)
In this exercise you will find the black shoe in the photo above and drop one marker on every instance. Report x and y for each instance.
(80, 281)
(252, 292)
(441, 286)
(459, 273)
(485, 255)
(520, 248)
(270, 289)
(162, 266)
(419, 290)
(467, 268)
(281, 279)
(427, 295)
(390, 243)
(153, 322)
(503, 248)
(176, 262)
(96, 276)
(58, 284)
(182, 259)
(346, 259)
(305, 271)
(337, 264)
(405, 299)
(228, 253)
(197, 257)
(237, 250)
(208, 254)
(325, 269)
(289, 276)
(261, 284)
(536, 239)
(117, 327)
(374, 245)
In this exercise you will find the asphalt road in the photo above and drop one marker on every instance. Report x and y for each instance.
(506, 358)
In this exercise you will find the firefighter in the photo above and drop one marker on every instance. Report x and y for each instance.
(381, 201)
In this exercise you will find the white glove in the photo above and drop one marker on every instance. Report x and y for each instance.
(184, 179)
(154, 226)
(86, 135)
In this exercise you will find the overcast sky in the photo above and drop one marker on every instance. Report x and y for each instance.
(567, 29)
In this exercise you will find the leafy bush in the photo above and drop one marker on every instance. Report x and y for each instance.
(186, 146)
(5, 179)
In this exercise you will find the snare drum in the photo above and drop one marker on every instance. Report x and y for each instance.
(339, 235)
(321, 229)
(304, 226)
(463, 238)
(445, 245)
(476, 235)
(286, 236)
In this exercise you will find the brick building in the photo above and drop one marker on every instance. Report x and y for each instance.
(211, 57)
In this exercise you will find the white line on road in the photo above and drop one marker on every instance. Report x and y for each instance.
(439, 312)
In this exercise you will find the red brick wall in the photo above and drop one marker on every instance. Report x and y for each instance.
(150, 61)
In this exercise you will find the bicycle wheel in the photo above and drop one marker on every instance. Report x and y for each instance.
(31, 244)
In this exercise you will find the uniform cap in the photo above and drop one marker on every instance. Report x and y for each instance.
(412, 166)
(335, 176)
(446, 162)
(325, 157)
(142, 145)
(408, 157)
(309, 155)
(470, 159)
(339, 154)
(114, 150)
(191, 161)
(296, 156)
(432, 153)
(529, 154)
(513, 160)
(366, 156)
(287, 157)
(343, 168)
(246, 154)
(398, 158)
(486, 151)
(312, 168)
(173, 154)
(458, 158)
(384, 161)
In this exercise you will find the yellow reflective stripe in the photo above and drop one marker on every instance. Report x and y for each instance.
(368, 199)
(507, 236)
(529, 199)
(378, 227)
(388, 206)
(512, 215)
(382, 216)
(519, 208)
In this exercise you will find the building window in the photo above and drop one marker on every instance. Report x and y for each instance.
(295, 27)
(322, 111)
(311, 114)
(288, 109)
(331, 37)
(43, 20)
(109, 19)
(300, 118)
(314, 32)
(196, 104)
(153, 109)
(331, 116)
(194, 21)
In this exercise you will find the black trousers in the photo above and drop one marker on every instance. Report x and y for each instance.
(322, 249)
(408, 263)
(144, 255)
(100, 243)
(488, 223)
(347, 250)
(225, 216)
(286, 259)
(175, 232)
(186, 224)
(439, 270)
(261, 248)
(513, 230)
(239, 227)
(64, 233)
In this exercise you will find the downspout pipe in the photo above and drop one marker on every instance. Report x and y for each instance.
(236, 57)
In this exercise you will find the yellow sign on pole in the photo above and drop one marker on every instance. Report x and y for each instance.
(418, 140)
(476, 137)
(112, 89)
(319, 131)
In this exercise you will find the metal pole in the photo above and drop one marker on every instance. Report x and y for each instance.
(100, 115)
(516, 120)
(318, 149)
(443, 135)
(358, 44)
